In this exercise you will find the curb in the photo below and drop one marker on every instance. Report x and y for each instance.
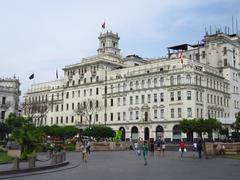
(29, 170)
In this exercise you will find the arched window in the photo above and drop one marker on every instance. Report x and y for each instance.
(131, 85)
(188, 78)
(179, 79)
(171, 80)
(161, 81)
(124, 86)
(149, 83)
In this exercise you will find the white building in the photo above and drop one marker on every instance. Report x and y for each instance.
(144, 97)
(9, 96)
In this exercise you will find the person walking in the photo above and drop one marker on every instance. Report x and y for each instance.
(84, 152)
(182, 147)
(163, 148)
(88, 148)
(194, 148)
(152, 148)
(159, 147)
(145, 152)
(199, 149)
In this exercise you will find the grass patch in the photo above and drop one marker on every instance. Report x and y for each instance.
(237, 156)
(4, 158)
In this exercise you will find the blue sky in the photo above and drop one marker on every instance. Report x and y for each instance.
(41, 36)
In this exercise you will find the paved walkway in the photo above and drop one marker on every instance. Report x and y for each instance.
(127, 165)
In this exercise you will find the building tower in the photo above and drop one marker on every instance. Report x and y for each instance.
(108, 43)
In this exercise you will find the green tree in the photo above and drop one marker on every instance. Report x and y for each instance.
(13, 121)
(26, 134)
(4, 130)
(60, 131)
(30, 138)
(99, 132)
(236, 124)
(200, 126)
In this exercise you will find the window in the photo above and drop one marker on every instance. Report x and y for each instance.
(2, 114)
(224, 50)
(179, 112)
(66, 119)
(155, 98)
(78, 93)
(97, 104)
(72, 94)
(137, 114)
(61, 119)
(149, 83)
(118, 101)
(56, 108)
(149, 98)
(90, 92)
(131, 115)
(179, 79)
(143, 99)
(96, 91)
(124, 86)
(111, 117)
(172, 113)
(119, 118)
(188, 78)
(189, 112)
(203, 54)
(66, 106)
(155, 82)
(51, 120)
(124, 116)
(85, 92)
(155, 114)
(136, 100)
(172, 96)
(119, 88)
(96, 117)
(179, 95)
(189, 95)
(162, 113)
(225, 62)
(67, 95)
(161, 81)
(131, 100)
(131, 85)
(72, 106)
(111, 102)
(72, 119)
(143, 84)
(162, 97)
(171, 80)
(124, 101)
(137, 84)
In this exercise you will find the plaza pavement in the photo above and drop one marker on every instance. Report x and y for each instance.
(126, 165)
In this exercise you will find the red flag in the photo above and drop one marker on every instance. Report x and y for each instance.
(103, 25)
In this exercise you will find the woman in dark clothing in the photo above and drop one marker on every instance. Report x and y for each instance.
(199, 148)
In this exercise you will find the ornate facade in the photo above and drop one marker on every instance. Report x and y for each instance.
(9, 96)
(144, 98)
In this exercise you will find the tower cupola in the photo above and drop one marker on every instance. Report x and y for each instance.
(108, 43)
